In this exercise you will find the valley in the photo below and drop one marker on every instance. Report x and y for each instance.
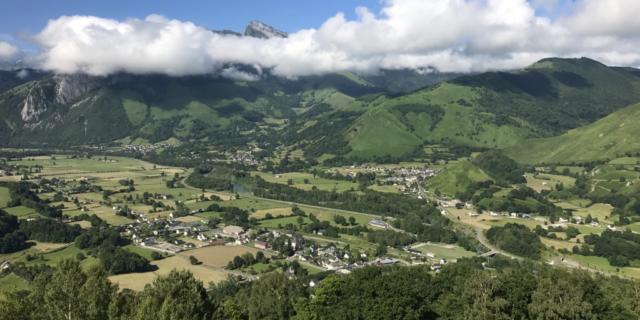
(329, 176)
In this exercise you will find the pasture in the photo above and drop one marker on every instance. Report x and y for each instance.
(543, 181)
(137, 281)
(4, 197)
(217, 256)
(299, 178)
(449, 252)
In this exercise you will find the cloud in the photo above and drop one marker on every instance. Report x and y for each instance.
(7, 51)
(451, 35)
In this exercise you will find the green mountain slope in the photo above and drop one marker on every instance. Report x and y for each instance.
(606, 138)
(73, 109)
(495, 109)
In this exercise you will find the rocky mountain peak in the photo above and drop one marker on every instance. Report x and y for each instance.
(258, 29)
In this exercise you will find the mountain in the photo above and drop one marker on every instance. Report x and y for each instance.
(78, 109)
(402, 81)
(12, 78)
(493, 109)
(343, 115)
(612, 136)
(258, 29)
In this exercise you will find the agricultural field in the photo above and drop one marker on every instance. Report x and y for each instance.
(217, 256)
(543, 181)
(4, 197)
(441, 250)
(298, 179)
(137, 281)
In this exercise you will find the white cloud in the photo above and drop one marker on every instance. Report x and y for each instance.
(7, 51)
(451, 35)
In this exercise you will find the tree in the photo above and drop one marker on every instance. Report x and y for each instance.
(352, 221)
(271, 297)
(175, 296)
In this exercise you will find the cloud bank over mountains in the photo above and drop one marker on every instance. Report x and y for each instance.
(7, 51)
(450, 35)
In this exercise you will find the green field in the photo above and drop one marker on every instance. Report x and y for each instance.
(544, 181)
(21, 212)
(298, 179)
(146, 253)
(456, 177)
(4, 197)
(446, 251)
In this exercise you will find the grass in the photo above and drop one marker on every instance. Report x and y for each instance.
(601, 264)
(446, 112)
(146, 253)
(137, 281)
(275, 212)
(250, 204)
(21, 212)
(62, 164)
(298, 179)
(456, 177)
(273, 223)
(4, 197)
(12, 282)
(545, 181)
(610, 136)
(218, 256)
(602, 211)
(446, 251)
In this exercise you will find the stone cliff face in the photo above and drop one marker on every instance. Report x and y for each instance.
(71, 87)
(35, 104)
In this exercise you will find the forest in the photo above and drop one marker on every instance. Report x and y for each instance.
(465, 290)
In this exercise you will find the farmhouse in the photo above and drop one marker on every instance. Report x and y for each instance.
(233, 232)
(261, 244)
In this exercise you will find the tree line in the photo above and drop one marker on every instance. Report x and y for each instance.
(462, 291)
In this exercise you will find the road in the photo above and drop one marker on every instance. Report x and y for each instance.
(485, 242)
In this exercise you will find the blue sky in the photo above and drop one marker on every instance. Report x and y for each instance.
(451, 35)
(30, 16)
(24, 17)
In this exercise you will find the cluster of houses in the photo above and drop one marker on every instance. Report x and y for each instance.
(242, 157)
(328, 257)
(171, 235)
(144, 148)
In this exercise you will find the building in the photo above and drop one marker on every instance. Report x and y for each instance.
(261, 244)
(379, 224)
(233, 232)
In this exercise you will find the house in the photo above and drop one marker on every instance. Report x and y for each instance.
(148, 242)
(261, 244)
(378, 224)
(233, 231)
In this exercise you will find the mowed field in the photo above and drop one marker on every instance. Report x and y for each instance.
(298, 179)
(137, 281)
(218, 256)
(213, 259)
(449, 252)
